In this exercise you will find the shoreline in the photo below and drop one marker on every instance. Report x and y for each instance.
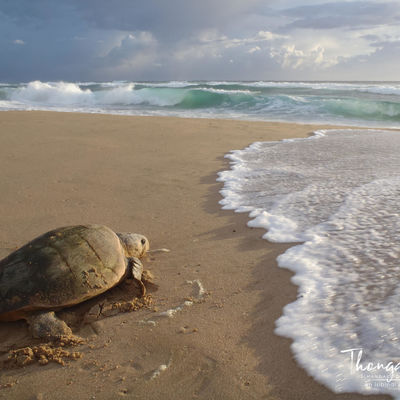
(157, 174)
(305, 102)
(328, 125)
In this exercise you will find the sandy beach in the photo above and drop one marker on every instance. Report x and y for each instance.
(155, 176)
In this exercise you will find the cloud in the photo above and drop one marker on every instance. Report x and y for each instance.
(291, 57)
(254, 49)
(180, 39)
(349, 14)
(135, 53)
(130, 46)
(269, 36)
(379, 65)
(165, 19)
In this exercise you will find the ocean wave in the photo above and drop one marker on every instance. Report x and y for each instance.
(64, 93)
(171, 84)
(378, 88)
(360, 104)
(227, 91)
(58, 93)
(363, 109)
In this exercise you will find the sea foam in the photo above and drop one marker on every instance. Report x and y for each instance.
(337, 193)
(57, 93)
(361, 104)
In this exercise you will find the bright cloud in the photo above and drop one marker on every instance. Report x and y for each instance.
(292, 58)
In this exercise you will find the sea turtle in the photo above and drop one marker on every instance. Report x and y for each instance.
(64, 267)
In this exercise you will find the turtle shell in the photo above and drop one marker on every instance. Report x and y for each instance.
(61, 268)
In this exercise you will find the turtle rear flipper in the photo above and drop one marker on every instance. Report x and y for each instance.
(45, 325)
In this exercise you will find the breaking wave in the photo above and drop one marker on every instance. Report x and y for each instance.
(372, 104)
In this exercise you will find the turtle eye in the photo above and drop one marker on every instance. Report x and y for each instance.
(143, 241)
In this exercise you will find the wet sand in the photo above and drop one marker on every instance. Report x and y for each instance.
(155, 176)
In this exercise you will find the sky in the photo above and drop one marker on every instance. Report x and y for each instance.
(142, 40)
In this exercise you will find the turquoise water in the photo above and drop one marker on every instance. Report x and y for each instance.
(375, 104)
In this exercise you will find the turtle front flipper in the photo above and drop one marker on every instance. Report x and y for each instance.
(45, 325)
(136, 268)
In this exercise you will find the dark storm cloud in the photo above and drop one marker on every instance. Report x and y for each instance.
(183, 39)
(58, 33)
(165, 19)
(49, 30)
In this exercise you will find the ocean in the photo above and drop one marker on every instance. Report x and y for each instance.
(334, 195)
(341, 103)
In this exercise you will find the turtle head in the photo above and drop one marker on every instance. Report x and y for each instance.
(134, 245)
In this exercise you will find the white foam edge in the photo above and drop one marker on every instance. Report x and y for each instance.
(263, 219)
(231, 177)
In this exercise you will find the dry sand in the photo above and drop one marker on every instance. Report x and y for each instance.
(156, 176)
